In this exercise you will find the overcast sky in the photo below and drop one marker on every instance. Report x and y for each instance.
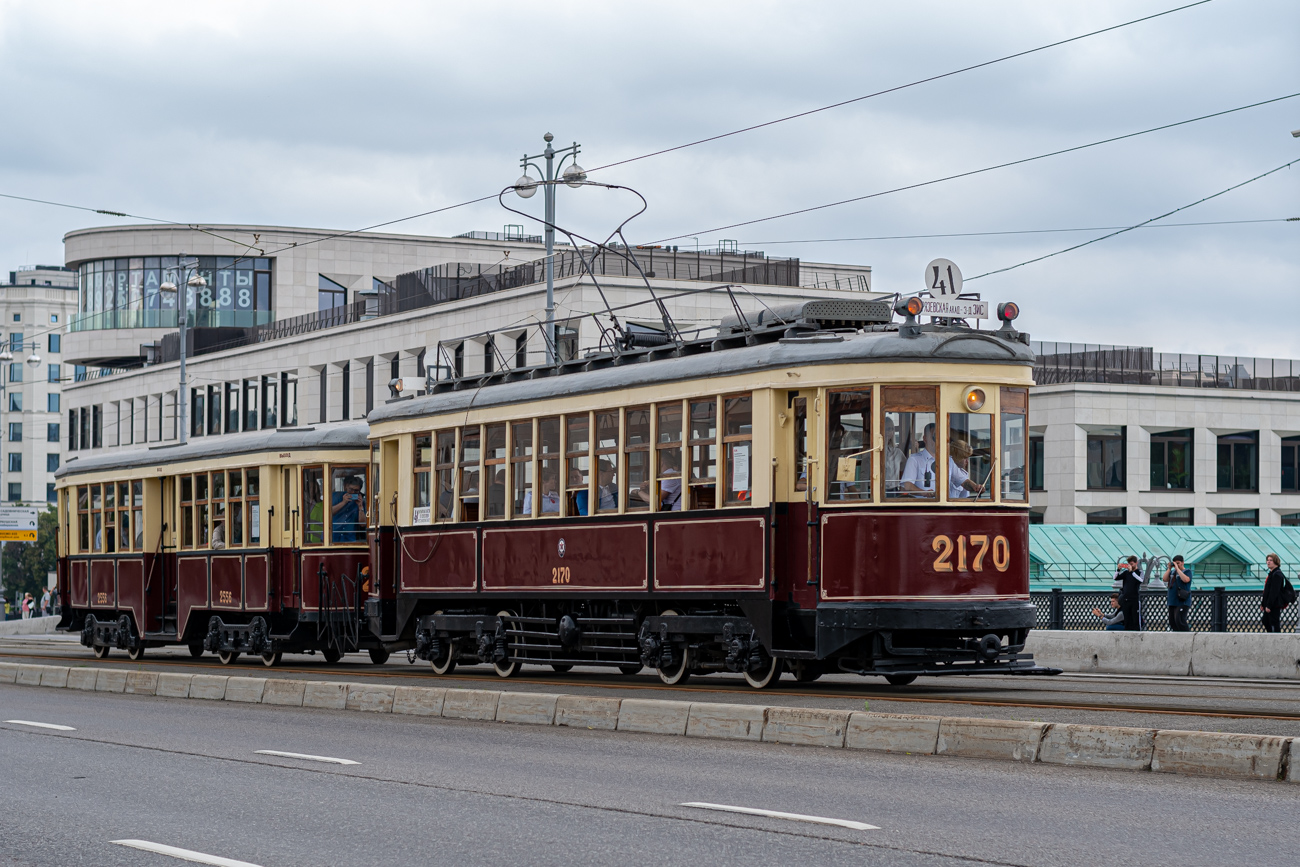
(341, 115)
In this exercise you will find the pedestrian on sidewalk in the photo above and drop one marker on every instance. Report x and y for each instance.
(1130, 580)
(1273, 602)
(45, 603)
(1178, 581)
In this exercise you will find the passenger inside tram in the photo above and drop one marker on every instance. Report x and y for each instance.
(348, 506)
(607, 481)
(550, 491)
(919, 474)
(960, 484)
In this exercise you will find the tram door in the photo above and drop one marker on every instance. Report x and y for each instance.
(168, 553)
(799, 490)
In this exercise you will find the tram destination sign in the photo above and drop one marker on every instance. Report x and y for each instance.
(18, 523)
(955, 308)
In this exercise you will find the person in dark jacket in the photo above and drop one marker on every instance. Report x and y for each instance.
(1131, 582)
(1178, 576)
(1272, 601)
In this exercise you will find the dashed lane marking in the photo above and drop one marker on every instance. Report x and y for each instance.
(776, 814)
(39, 725)
(330, 759)
(183, 854)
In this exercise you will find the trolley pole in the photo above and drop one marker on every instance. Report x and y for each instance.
(187, 278)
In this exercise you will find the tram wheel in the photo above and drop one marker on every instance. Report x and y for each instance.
(680, 673)
(631, 668)
(446, 665)
(900, 679)
(227, 657)
(196, 649)
(101, 652)
(766, 677)
(271, 659)
(510, 667)
(135, 653)
(378, 655)
(331, 655)
(561, 668)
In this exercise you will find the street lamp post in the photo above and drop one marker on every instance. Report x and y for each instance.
(526, 187)
(195, 280)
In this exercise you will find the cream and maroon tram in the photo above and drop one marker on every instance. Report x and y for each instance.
(252, 543)
(817, 491)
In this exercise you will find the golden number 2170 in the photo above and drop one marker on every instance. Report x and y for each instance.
(559, 574)
(970, 551)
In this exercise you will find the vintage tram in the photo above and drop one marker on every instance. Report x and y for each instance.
(252, 543)
(815, 489)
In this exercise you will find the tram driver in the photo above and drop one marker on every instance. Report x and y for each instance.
(918, 475)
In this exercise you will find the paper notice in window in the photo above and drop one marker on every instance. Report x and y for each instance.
(846, 470)
(254, 520)
(421, 514)
(740, 467)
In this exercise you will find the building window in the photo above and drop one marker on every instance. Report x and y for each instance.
(50, 495)
(54, 373)
(96, 426)
(1171, 461)
(54, 318)
(15, 431)
(457, 360)
(270, 403)
(1238, 462)
(51, 463)
(1291, 520)
(566, 341)
(52, 435)
(15, 401)
(55, 343)
(18, 317)
(73, 444)
(1244, 518)
(521, 350)
(1106, 464)
(214, 409)
(1037, 461)
(1036, 517)
(15, 492)
(15, 371)
(196, 412)
(1109, 516)
(329, 294)
(15, 462)
(1291, 464)
(52, 402)
(1172, 518)
(232, 407)
(16, 341)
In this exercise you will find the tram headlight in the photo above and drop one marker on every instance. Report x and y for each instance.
(1008, 311)
(974, 398)
(909, 306)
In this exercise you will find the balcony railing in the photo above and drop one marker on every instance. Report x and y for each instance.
(201, 318)
(1141, 365)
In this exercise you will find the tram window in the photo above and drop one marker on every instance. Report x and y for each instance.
(236, 522)
(124, 534)
(636, 450)
(970, 456)
(607, 462)
(668, 457)
(219, 530)
(469, 474)
(737, 439)
(83, 508)
(548, 440)
(347, 505)
(218, 486)
(445, 473)
(252, 490)
(110, 522)
(137, 513)
(703, 446)
(910, 441)
(521, 469)
(202, 513)
(423, 470)
(374, 487)
(236, 484)
(800, 407)
(97, 524)
(577, 467)
(187, 512)
(848, 459)
(1014, 406)
(313, 484)
(286, 500)
(494, 470)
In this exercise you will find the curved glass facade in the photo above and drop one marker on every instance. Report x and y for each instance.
(127, 293)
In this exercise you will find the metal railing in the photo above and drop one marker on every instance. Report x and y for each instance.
(1096, 572)
(1212, 610)
(200, 318)
(1141, 365)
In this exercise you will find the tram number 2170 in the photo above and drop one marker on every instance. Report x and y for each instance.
(971, 552)
(559, 574)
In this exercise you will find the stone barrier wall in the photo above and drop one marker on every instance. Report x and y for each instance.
(32, 626)
(1198, 654)
(1256, 757)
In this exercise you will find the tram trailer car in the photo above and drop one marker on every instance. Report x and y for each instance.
(818, 489)
(251, 543)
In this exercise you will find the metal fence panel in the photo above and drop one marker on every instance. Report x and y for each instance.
(1215, 610)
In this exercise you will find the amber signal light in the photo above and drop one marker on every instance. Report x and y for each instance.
(974, 398)
(909, 306)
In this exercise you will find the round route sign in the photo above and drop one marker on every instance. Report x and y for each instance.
(943, 278)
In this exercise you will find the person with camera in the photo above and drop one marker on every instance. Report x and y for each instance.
(1178, 581)
(1129, 577)
(1273, 601)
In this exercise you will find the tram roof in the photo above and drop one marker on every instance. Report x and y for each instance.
(326, 437)
(587, 376)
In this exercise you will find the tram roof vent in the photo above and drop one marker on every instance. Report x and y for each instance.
(820, 315)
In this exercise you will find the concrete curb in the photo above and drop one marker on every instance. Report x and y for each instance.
(1218, 754)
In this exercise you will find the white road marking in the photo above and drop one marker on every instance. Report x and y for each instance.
(330, 759)
(775, 814)
(183, 854)
(40, 725)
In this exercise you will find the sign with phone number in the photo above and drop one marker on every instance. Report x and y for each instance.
(955, 309)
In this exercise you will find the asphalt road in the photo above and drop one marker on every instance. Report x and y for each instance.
(1210, 704)
(435, 791)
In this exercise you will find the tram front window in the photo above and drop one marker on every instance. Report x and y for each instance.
(313, 479)
(1015, 409)
(348, 505)
(848, 461)
(970, 456)
(910, 442)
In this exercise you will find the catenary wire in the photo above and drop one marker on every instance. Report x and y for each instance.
(1138, 226)
(1012, 232)
(973, 172)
